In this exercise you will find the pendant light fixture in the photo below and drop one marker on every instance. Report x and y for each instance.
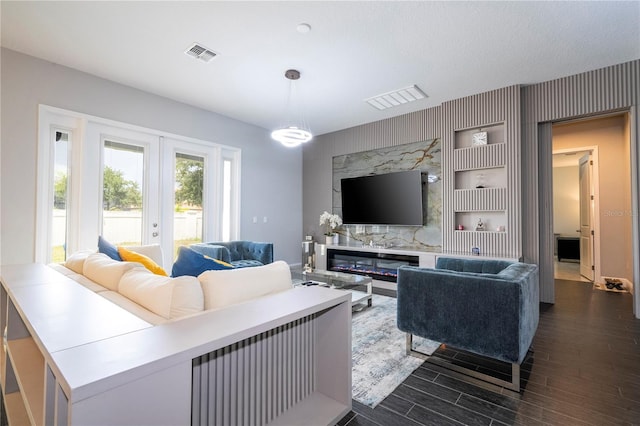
(292, 134)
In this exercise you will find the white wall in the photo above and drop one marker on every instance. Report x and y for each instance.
(566, 201)
(271, 174)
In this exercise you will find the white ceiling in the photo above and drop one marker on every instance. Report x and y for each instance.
(354, 50)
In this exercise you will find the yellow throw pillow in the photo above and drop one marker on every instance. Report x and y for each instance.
(219, 262)
(132, 256)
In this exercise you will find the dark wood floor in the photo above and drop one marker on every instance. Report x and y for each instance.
(583, 368)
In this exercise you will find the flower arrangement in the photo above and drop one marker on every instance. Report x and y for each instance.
(331, 221)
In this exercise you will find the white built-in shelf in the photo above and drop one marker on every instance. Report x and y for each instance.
(495, 136)
(14, 407)
(494, 177)
(28, 366)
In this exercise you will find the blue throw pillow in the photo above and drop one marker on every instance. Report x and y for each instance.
(109, 249)
(190, 262)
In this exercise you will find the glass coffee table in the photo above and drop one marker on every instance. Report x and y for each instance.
(343, 281)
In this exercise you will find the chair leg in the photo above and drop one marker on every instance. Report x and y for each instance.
(413, 352)
(514, 384)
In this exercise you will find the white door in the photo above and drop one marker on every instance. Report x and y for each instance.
(130, 190)
(586, 218)
(188, 209)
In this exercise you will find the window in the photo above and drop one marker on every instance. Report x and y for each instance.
(226, 200)
(132, 185)
(122, 199)
(188, 199)
(59, 223)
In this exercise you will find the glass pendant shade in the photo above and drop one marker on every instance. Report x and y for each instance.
(292, 135)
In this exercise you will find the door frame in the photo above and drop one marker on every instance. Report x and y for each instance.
(543, 230)
(595, 188)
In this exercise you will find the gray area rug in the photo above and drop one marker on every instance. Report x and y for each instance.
(380, 363)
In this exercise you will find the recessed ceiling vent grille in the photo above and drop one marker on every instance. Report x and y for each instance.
(198, 51)
(396, 97)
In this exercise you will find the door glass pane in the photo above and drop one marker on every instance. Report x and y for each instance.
(226, 200)
(60, 197)
(189, 185)
(123, 180)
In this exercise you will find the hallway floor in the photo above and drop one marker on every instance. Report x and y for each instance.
(568, 271)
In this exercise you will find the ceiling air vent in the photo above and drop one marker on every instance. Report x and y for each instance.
(198, 51)
(396, 97)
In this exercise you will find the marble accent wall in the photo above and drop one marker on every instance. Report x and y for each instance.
(424, 156)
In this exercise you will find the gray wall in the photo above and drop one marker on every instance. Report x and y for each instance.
(608, 89)
(271, 174)
(595, 92)
(318, 156)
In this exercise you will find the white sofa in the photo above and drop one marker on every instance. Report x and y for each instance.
(158, 299)
(226, 347)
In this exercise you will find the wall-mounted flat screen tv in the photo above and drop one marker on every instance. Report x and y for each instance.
(384, 199)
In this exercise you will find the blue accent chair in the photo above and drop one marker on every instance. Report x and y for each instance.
(488, 307)
(240, 254)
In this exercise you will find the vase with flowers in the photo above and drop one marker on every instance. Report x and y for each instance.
(330, 222)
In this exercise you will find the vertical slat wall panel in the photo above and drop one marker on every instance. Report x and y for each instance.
(498, 106)
(608, 89)
(492, 155)
(254, 381)
(487, 199)
(604, 90)
(413, 127)
(494, 243)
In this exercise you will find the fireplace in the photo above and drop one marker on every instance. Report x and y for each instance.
(379, 266)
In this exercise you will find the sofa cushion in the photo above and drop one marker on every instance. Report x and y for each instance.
(75, 262)
(190, 262)
(107, 248)
(132, 256)
(164, 296)
(227, 287)
(105, 271)
(246, 263)
(152, 251)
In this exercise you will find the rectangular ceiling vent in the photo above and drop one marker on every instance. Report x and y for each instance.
(198, 51)
(396, 97)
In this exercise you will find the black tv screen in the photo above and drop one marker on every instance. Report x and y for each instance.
(385, 199)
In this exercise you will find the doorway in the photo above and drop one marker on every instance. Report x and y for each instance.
(575, 201)
(592, 199)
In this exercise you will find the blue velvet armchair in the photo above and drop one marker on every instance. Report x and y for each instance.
(240, 254)
(488, 307)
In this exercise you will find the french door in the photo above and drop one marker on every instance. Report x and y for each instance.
(193, 172)
(134, 186)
